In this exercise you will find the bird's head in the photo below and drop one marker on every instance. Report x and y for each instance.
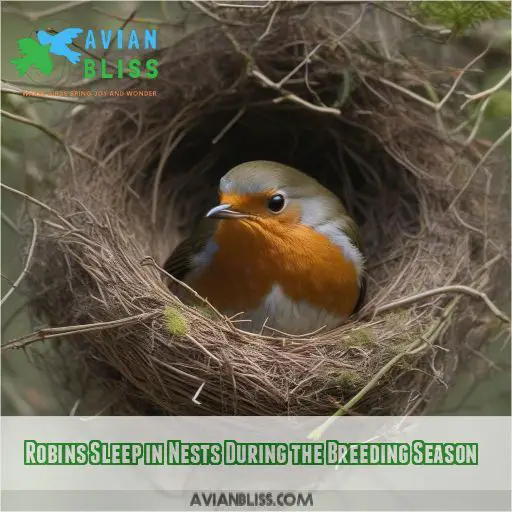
(43, 37)
(270, 191)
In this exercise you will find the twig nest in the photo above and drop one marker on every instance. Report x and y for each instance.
(310, 86)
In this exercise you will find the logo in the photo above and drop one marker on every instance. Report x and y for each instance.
(52, 49)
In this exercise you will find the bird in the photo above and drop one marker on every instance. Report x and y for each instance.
(59, 43)
(34, 54)
(279, 250)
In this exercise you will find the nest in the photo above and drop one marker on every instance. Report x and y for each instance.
(326, 89)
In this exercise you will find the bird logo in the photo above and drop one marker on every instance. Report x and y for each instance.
(37, 53)
(34, 54)
(59, 43)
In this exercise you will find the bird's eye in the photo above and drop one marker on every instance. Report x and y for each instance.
(276, 203)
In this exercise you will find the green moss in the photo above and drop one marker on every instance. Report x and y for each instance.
(175, 322)
(362, 336)
(350, 378)
(459, 15)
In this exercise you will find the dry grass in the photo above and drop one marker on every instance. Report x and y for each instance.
(310, 86)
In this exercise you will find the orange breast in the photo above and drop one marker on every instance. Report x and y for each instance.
(254, 255)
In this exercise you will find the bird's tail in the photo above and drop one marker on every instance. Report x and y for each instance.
(74, 57)
(22, 65)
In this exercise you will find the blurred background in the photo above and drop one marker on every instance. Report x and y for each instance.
(482, 386)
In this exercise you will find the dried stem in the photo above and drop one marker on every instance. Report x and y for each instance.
(487, 92)
(215, 17)
(33, 16)
(292, 97)
(269, 24)
(457, 80)
(11, 89)
(412, 21)
(230, 125)
(52, 134)
(27, 264)
(285, 95)
(496, 144)
(400, 303)
(58, 332)
(38, 203)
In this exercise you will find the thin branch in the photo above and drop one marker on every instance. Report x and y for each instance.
(111, 402)
(269, 25)
(244, 5)
(36, 15)
(444, 289)
(204, 349)
(494, 245)
(285, 95)
(292, 97)
(214, 16)
(302, 63)
(478, 122)
(356, 23)
(74, 409)
(487, 92)
(6, 278)
(25, 93)
(482, 356)
(412, 21)
(57, 332)
(50, 133)
(405, 91)
(194, 398)
(440, 105)
(39, 203)
(308, 335)
(477, 167)
(27, 264)
(436, 106)
(230, 125)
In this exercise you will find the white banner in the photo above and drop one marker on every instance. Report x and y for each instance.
(176, 463)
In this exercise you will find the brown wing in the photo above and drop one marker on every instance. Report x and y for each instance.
(362, 294)
(352, 230)
(179, 262)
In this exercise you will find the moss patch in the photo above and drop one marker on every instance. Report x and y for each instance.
(175, 322)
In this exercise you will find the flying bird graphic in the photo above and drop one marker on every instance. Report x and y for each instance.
(59, 43)
(34, 54)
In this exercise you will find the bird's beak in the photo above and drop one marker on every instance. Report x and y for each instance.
(224, 211)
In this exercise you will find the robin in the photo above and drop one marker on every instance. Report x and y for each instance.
(279, 248)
